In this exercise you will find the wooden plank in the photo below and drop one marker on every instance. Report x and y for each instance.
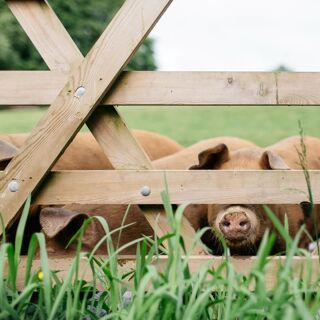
(30, 88)
(195, 88)
(124, 152)
(148, 88)
(84, 90)
(298, 88)
(241, 265)
(171, 88)
(116, 140)
(47, 34)
(224, 187)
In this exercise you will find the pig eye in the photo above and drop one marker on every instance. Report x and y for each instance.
(226, 223)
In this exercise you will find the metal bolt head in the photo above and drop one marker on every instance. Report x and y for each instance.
(13, 186)
(80, 92)
(145, 191)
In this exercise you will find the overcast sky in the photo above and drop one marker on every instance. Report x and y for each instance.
(239, 35)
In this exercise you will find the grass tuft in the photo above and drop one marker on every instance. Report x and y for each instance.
(174, 291)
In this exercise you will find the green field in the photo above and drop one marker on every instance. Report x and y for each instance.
(263, 125)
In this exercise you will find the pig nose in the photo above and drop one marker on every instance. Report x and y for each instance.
(235, 223)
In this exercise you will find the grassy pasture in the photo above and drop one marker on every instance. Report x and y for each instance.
(262, 125)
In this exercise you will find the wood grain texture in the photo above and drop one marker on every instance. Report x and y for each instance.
(224, 187)
(194, 88)
(241, 265)
(68, 112)
(148, 88)
(30, 88)
(47, 34)
(298, 88)
(172, 88)
(116, 140)
(124, 152)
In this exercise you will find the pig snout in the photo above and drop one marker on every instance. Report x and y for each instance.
(238, 225)
(235, 225)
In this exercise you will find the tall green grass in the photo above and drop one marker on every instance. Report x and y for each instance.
(174, 292)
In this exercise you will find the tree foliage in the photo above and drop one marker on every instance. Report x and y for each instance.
(85, 20)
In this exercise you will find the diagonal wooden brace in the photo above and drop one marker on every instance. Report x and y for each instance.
(108, 127)
(85, 88)
(47, 33)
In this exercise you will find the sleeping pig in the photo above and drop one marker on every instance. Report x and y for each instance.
(243, 225)
(60, 223)
(84, 153)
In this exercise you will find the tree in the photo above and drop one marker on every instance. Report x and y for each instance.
(85, 20)
(281, 68)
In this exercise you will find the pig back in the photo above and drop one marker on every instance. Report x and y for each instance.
(187, 157)
(84, 153)
(288, 149)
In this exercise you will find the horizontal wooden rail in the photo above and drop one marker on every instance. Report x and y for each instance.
(224, 187)
(172, 88)
(127, 263)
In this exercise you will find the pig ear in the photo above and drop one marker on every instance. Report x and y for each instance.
(7, 152)
(55, 220)
(211, 158)
(271, 160)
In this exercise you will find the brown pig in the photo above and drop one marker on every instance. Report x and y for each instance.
(243, 225)
(60, 223)
(186, 157)
(84, 153)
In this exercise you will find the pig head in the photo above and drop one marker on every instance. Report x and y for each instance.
(59, 224)
(241, 225)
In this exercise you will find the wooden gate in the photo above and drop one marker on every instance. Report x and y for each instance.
(88, 89)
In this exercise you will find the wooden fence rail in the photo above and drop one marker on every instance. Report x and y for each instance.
(224, 187)
(242, 265)
(172, 88)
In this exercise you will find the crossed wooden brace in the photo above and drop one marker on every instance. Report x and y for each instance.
(89, 81)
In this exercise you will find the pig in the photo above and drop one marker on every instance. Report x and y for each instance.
(241, 225)
(60, 223)
(71, 215)
(7, 152)
(186, 157)
(84, 153)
